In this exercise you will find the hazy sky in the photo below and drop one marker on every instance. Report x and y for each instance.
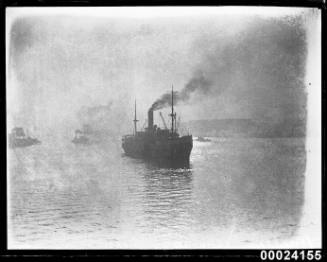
(62, 60)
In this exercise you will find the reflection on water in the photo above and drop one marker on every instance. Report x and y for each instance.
(236, 193)
(168, 199)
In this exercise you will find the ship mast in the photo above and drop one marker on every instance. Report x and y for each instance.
(135, 120)
(173, 115)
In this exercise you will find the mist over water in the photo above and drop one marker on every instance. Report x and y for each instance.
(237, 192)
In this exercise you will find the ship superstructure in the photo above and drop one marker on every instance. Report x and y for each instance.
(80, 137)
(18, 138)
(164, 146)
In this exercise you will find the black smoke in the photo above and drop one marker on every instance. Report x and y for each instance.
(198, 82)
(261, 70)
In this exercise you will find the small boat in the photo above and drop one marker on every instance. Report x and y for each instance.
(203, 139)
(80, 138)
(18, 138)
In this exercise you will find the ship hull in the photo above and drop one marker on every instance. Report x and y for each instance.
(23, 142)
(166, 152)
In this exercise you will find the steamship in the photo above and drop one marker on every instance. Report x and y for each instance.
(162, 146)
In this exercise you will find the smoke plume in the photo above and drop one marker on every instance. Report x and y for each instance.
(260, 71)
(103, 119)
(199, 82)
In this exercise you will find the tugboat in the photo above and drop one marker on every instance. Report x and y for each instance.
(162, 146)
(18, 138)
(80, 138)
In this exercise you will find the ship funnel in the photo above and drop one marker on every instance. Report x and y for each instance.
(150, 119)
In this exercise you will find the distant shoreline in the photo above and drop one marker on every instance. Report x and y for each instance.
(245, 128)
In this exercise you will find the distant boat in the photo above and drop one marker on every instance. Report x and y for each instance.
(80, 137)
(203, 139)
(18, 138)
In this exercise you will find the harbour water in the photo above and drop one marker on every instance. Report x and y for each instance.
(237, 193)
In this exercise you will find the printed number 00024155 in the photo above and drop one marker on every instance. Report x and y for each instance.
(291, 255)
